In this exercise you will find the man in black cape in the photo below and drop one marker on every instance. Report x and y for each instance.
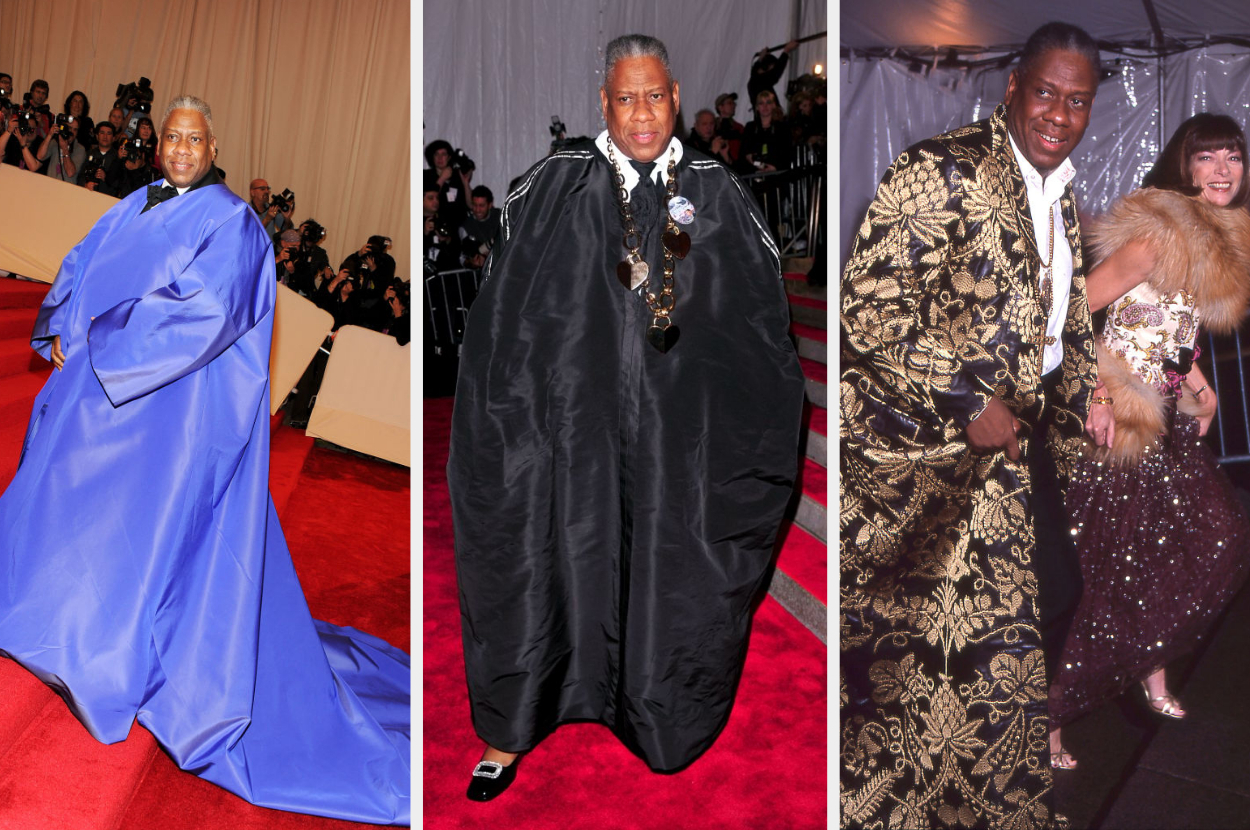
(625, 438)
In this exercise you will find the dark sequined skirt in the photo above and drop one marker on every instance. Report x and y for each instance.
(1163, 549)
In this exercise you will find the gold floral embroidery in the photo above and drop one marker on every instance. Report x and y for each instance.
(944, 691)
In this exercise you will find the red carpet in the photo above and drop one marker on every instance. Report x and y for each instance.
(767, 769)
(347, 523)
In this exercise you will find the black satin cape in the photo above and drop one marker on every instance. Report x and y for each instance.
(616, 508)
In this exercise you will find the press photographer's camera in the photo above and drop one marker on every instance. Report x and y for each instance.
(460, 161)
(64, 126)
(283, 200)
(136, 96)
(25, 122)
(140, 149)
(312, 234)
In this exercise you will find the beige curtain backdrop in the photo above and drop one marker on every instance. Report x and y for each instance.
(311, 95)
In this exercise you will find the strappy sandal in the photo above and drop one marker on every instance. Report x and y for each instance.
(1165, 704)
(1062, 759)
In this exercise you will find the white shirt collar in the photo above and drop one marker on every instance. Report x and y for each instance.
(627, 170)
(1051, 187)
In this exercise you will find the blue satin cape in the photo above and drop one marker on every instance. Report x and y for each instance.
(143, 572)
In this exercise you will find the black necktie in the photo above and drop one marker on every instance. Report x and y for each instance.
(158, 193)
(644, 202)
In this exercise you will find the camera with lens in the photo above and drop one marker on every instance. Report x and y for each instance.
(140, 149)
(89, 167)
(136, 96)
(63, 126)
(283, 200)
(26, 122)
(559, 139)
(379, 245)
(460, 161)
(312, 233)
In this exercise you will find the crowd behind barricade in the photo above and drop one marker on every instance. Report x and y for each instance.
(118, 155)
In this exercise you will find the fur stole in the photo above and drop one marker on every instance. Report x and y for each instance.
(1198, 247)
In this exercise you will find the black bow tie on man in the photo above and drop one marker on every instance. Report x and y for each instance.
(158, 193)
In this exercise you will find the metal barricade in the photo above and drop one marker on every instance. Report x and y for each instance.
(1229, 436)
(448, 296)
(793, 200)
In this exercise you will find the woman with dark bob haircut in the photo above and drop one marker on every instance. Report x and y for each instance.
(1161, 535)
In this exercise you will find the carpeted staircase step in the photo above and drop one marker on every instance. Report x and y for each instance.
(811, 512)
(814, 373)
(800, 579)
(16, 357)
(16, 324)
(811, 342)
(56, 775)
(797, 286)
(16, 293)
(815, 434)
(809, 311)
(23, 699)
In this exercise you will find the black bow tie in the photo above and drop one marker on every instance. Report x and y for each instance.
(158, 193)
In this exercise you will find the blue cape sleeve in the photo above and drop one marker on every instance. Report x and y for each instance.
(140, 345)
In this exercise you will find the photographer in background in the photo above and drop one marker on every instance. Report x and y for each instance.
(766, 144)
(392, 315)
(285, 254)
(455, 172)
(36, 101)
(79, 108)
(135, 101)
(480, 227)
(6, 85)
(19, 132)
(69, 154)
(703, 138)
(274, 213)
(309, 258)
(138, 165)
(102, 169)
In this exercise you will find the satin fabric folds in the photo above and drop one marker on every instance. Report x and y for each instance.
(616, 508)
(143, 573)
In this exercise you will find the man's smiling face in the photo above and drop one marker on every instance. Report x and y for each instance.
(1048, 106)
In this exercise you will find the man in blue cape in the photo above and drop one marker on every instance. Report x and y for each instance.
(143, 573)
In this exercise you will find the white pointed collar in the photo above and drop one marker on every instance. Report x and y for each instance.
(627, 170)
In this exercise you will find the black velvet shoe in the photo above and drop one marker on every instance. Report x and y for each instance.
(491, 779)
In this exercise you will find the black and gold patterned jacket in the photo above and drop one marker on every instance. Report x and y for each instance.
(943, 681)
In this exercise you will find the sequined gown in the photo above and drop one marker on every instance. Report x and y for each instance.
(1162, 542)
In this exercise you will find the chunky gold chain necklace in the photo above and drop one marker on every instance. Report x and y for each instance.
(1048, 282)
(633, 271)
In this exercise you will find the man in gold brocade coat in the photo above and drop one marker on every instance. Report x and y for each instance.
(967, 367)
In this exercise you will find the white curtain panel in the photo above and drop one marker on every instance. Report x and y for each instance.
(495, 73)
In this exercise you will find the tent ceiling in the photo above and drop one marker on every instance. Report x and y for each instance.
(1001, 25)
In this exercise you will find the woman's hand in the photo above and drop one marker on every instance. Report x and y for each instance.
(1100, 425)
(1207, 405)
(58, 356)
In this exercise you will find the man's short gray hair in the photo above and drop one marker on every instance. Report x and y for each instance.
(635, 46)
(189, 102)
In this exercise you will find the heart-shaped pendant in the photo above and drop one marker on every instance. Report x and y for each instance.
(632, 274)
(663, 339)
(678, 243)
